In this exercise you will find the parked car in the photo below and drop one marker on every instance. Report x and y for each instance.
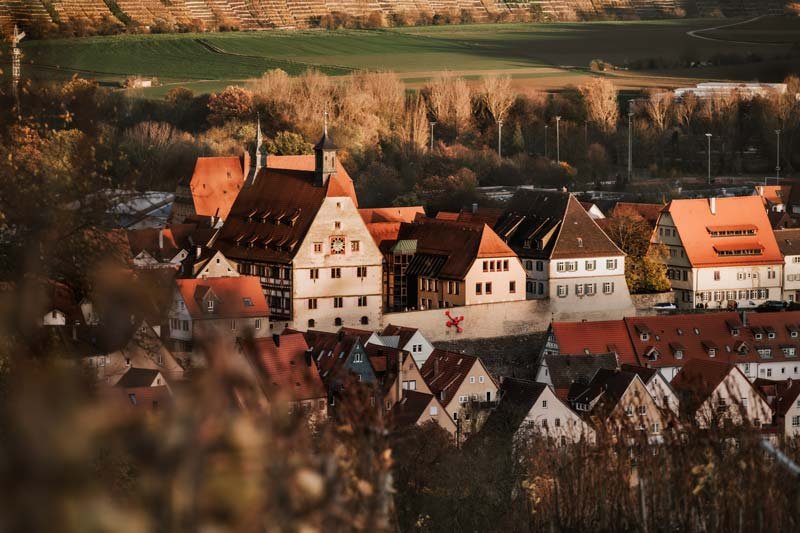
(665, 306)
(772, 305)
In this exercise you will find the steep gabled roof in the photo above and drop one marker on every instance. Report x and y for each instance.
(270, 218)
(391, 214)
(552, 225)
(215, 184)
(162, 244)
(696, 224)
(786, 399)
(698, 379)
(239, 297)
(564, 370)
(448, 249)
(402, 332)
(410, 409)
(330, 351)
(444, 372)
(788, 241)
(649, 212)
(287, 367)
(610, 384)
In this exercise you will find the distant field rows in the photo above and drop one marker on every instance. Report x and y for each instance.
(539, 53)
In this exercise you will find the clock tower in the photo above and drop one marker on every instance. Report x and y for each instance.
(324, 160)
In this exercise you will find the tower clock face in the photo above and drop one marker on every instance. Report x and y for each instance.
(337, 245)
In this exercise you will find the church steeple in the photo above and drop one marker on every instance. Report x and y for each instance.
(324, 157)
(258, 160)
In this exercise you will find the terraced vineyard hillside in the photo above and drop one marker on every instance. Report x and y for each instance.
(289, 14)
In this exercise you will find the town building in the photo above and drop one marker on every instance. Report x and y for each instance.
(566, 255)
(341, 360)
(658, 387)
(454, 264)
(464, 387)
(396, 371)
(300, 232)
(786, 406)
(720, 89)
(774, 197)
(534, 410)
(719, 252)
(789, 243)
(618, 404)
(228, 308)
(713, 393)
(417, 408)
(560, 372)
(408, 339)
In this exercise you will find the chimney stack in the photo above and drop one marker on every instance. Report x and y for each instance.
(744, 318)
(160, 239)
(436, 367)
(276, 339)
(197, 251)
(474, 208)
(308, 356)
(712, 204)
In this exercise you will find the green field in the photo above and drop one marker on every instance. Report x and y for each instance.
(539, 53)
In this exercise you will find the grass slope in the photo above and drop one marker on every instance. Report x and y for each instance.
(527, 51)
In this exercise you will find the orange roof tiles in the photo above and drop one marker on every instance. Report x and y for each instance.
(384, 233)
(774, 194)
(693, 217)
(391, 214)
(602, 337)
(340, 183)
(288, 368)
(239, 297)
(215, 183)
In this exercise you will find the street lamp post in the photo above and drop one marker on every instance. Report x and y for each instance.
(500, 138)
(708, 136)
(433, 123)
(778, 159)
(546, 151)
(630, 146)
(558, 141)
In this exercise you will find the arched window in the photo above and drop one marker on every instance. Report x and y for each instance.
(337, 321)
(364, 320)
(311, 322)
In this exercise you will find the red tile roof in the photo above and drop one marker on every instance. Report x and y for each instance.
(694, 222)
(411, 407)
(444, 372)
(384, 234)
(773, 194)
(288, 368)
(391, 214)
(608, 336)
(239, 297)
(173, 239)
(215, 183)
(270, 218)
(698, 379)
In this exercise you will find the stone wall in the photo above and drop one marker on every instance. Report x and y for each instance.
(644, 302)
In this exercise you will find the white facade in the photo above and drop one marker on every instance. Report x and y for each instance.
(734, 399)
(337, 271)
(662, 393)
(218, 266)
(419, 347)
(552, 418)
(791, 421)
(791, 278)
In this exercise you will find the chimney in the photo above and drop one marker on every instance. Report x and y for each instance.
(436, 367)
(276, 339)
(308, 356)
(744, 318)
(712, 204)
(160, 239)
(197, 251)
(474, 208)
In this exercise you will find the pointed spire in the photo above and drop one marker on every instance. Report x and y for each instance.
(325, 127)
(259, 135)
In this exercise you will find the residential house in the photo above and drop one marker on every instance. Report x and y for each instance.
(212, 188)
(715, 392)
(409, 339)
(285, 367)
(416, 408)
(533, 409)
(208, 263)
(789, 243)
(658, 387)
(463, 385)
(787, 409)
(566, 255)
(590, 338)
(396, 371)
(226, 307)
(300, 232)
(774, 197)
(161, 247)
(459, 263)
(595, 212)
(618, 402)
(144, 400)
(340, 360)
(721, 252)
(141, 377)
(560, 372)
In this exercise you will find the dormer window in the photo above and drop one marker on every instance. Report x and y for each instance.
(680, 331)
(759, 336)
(712, 352)
(644, 336)
(696, 331)
(210, 305)
(735, 332)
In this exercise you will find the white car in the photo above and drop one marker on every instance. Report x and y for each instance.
(665, 306)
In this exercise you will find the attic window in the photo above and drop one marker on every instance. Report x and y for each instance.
(580, 242)
(696, 331)
(644, 336)
(132, 398)
(759, 336)
(680, 331)
(248, 302)
(210, 305)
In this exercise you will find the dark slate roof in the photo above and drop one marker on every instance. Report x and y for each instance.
(325, 143)
(644, 372)
(551, 225)
(138, 377)
(612, 384)
(698, 379)
(568, 369)
(517, 396)
(788, 241)
(409, 409)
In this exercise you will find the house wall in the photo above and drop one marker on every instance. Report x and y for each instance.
(480, 273)
(537, 272)
(473, 391)
(791, 430)
(349, 286)
(409, 373)
(419, 347)
(54, 318)
(440, 417)
(637, 396)
(742, 400)
(552, 418)
(218, 267)
(663, 394)
(791, 278)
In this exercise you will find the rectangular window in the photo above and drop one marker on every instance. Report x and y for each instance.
(539, 266)
(233, 325)
(505, 265)
(528, 265)
(488, 287)
(336, 273)
(561, 291)
(361, 272)
(608, 287)
(355, 246)
(716, 275)
(590, 289)
(486, 266)
(512, 287)
(796, 421)
(770, 274)
(434, 410)
(479, 288)
(338, 302)
(591, 265)
(317, 247)
(611, 264)
(579, 289)
(258, 323)
(312, 303)
(362, 301)
(313, 273)
(544, 404)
